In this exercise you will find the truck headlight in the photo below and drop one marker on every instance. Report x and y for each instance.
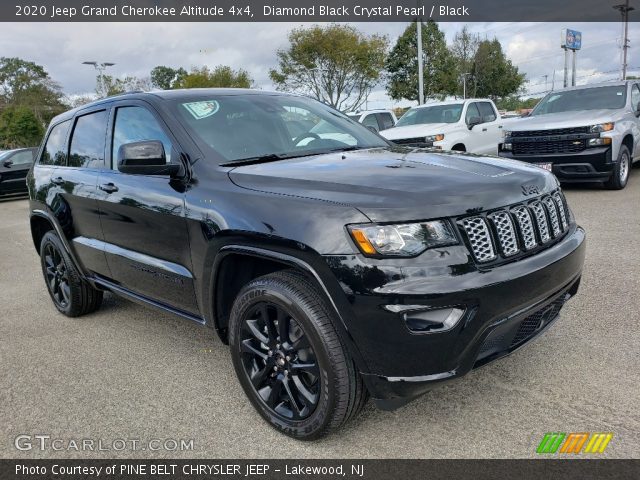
(434, 138)
(602, 127)
(506, 133)
(405, 240)
(598, 142)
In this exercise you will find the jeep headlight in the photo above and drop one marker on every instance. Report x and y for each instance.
(434, 138)
(404, 240)
(602, 127)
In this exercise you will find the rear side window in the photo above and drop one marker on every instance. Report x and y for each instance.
(135, 124)
(385, 120)
(88, 140)
(54, 149)
(487, 112)
(370, 121)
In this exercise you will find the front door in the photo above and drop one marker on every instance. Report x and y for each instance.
(142, 216)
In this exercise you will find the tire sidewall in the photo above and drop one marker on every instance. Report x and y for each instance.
(624, 150)
(275, 293)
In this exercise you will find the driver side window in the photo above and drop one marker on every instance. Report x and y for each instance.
(472, 111)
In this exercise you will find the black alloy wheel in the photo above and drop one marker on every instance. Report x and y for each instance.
(280, 362)
(57, 276)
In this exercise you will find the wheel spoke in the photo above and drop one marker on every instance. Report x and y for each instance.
(53, 281)
(49, 261)
(311, 397)
(306, 367)
(301, 343)
(283, 325)
(255, 331)
(66, 292)
(274, 394)
(292, 397)
(250, 349)
(271, 328)
(259, 377)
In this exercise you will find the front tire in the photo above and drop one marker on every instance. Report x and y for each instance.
(71, 294)
(289, 358)
(621, 170)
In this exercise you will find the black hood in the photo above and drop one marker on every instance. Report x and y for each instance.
(400, 185)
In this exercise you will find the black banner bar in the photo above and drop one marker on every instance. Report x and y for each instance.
(297, 11)
(314, 469)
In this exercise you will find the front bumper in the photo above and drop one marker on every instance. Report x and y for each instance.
(500, 308)
(590, 165)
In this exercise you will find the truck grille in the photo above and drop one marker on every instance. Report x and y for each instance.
(556, 131)
(415, 141)
(516, 230)
(548, 147)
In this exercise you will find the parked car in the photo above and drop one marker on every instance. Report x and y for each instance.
(472, 125)
(14, 165)
(588, 133)
(377, 120)
(333, 270)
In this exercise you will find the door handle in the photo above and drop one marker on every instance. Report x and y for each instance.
(108, 187)
(58, 180)
(484, 129)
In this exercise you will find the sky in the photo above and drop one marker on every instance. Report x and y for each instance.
(136, 48)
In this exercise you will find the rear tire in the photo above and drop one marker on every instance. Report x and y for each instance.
(621, 170)
(71, 294)
(289, 358)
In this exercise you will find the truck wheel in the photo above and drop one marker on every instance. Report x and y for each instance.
(71, 294)
(621, 169)
(289, 358)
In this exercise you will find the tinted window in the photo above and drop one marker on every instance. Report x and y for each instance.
(595, 98)
(635, 97)
(54, 150)
(370, 121)
(88, 140)
(487, 111)
(386, 120)
(135, 124)
(472, 111)
(20, 158)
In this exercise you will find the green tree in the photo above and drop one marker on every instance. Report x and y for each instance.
(464, 48)
(335, 64)
(166, 78)
(24, 83)
(19, 127)
(107, 85)
(221, 76)
(494, 75)
(439, 65)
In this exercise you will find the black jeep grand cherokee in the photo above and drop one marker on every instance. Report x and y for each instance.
(335, 264)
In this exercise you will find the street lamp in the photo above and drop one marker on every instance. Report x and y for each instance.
(464, 85)
(100, 67)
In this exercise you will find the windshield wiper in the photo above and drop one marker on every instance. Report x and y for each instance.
(270, 157)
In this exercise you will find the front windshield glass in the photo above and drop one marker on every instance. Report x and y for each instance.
(596, 98)
(240, 127)
(436, 114)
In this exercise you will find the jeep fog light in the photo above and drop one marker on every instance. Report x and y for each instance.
(428, 321)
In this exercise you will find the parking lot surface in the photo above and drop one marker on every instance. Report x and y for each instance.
(130, 372)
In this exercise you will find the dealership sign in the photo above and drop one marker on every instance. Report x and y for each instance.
(571, 39)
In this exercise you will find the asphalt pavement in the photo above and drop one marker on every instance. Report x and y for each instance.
(128, 372)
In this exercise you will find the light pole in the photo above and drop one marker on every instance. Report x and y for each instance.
(464, 85)
(100, 67)
(420, 65)
(624, 9)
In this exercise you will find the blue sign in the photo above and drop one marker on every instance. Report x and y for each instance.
(571, 39)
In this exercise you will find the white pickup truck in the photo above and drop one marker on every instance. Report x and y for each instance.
(473, 125)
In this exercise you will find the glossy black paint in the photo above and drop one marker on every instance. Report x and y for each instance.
(13, 170)
(177, 242)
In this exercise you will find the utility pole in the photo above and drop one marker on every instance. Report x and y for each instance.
(100, 67)
(464, 85)
(624, 10)
(420, 65)
(546, 77)
(566, 67)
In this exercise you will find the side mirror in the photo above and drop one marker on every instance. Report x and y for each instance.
(373, 129)
(473, 121)
(145, 158)
(7, 163)
(637, 112)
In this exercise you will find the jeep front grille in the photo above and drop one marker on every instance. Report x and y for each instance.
(516, 230)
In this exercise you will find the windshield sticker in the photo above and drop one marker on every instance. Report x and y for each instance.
(204, 109)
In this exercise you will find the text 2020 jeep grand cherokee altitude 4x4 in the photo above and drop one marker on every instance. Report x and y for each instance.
(334, 270)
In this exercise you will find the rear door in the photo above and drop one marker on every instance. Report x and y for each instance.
(145, 231)
(74, 183)
(13, 171)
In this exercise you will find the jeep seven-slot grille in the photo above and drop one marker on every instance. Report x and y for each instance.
(514, 230)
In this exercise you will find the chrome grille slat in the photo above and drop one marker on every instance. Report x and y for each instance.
(561, 208)
(553, 215)
(541, 221)
(479, 237)
(506, 233)
(525, 223)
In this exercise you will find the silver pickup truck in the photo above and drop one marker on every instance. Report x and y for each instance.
(582, 134)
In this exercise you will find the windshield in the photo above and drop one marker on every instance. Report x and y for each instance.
(583, 99)
(239, 127)
(436, 114)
